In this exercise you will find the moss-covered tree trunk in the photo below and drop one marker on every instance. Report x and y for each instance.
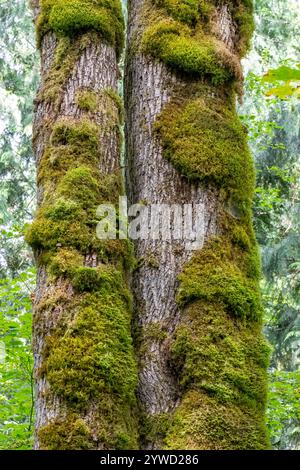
(82, 308)
(202, 357)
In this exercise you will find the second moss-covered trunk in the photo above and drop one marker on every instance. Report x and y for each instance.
(202, 356)
(82, 309)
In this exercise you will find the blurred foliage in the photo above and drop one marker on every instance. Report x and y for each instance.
(18, 83)
(16, 362)
(272, 114)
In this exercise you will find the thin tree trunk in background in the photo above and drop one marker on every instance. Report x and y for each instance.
(202, 358)
(82, 309)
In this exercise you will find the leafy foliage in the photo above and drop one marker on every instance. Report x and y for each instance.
(286, 79)
(18, 77)
(16, 362)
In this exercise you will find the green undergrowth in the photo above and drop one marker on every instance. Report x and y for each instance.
(70, 18)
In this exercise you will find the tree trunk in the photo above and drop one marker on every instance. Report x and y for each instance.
(82, 309)
(202, 357)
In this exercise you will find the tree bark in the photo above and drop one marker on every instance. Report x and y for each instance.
(82, 314)
(194, 389)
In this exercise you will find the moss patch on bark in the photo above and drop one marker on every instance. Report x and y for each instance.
(206, 141)
(68, 18)
(181, 33)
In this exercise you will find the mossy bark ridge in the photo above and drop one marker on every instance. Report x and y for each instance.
(84, 359)
(202, 380)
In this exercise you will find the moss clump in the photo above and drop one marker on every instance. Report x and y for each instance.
(87, 100)
(186, 11)
(65, 262)
(215, 275)
(72, 433)
(85, 279)
(226, 358)
(84, 133)
(183, 35)
(154, 428)
(68, 18)
(193, 12)
(175, 46)
(206, 142)
(94, 349)
(203, 423)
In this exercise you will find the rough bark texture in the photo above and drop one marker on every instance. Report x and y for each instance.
(178, 411)
(81, 314)
(153, 180)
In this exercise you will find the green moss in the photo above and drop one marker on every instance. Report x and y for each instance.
(65, 262)
(214, 274)
(154, 428)
(75, 144)
(118, 102)
(94, 350)
(153, 331)
(243, 14)
(186, 11)
(206, 142)
(68, 18)
(84, 359)
(84, 133)
(85, 279)
(86, 100)
(72, 433)
(66, 54)
(175, 46)
(203, 423)
(227, 359)
(182, 34)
